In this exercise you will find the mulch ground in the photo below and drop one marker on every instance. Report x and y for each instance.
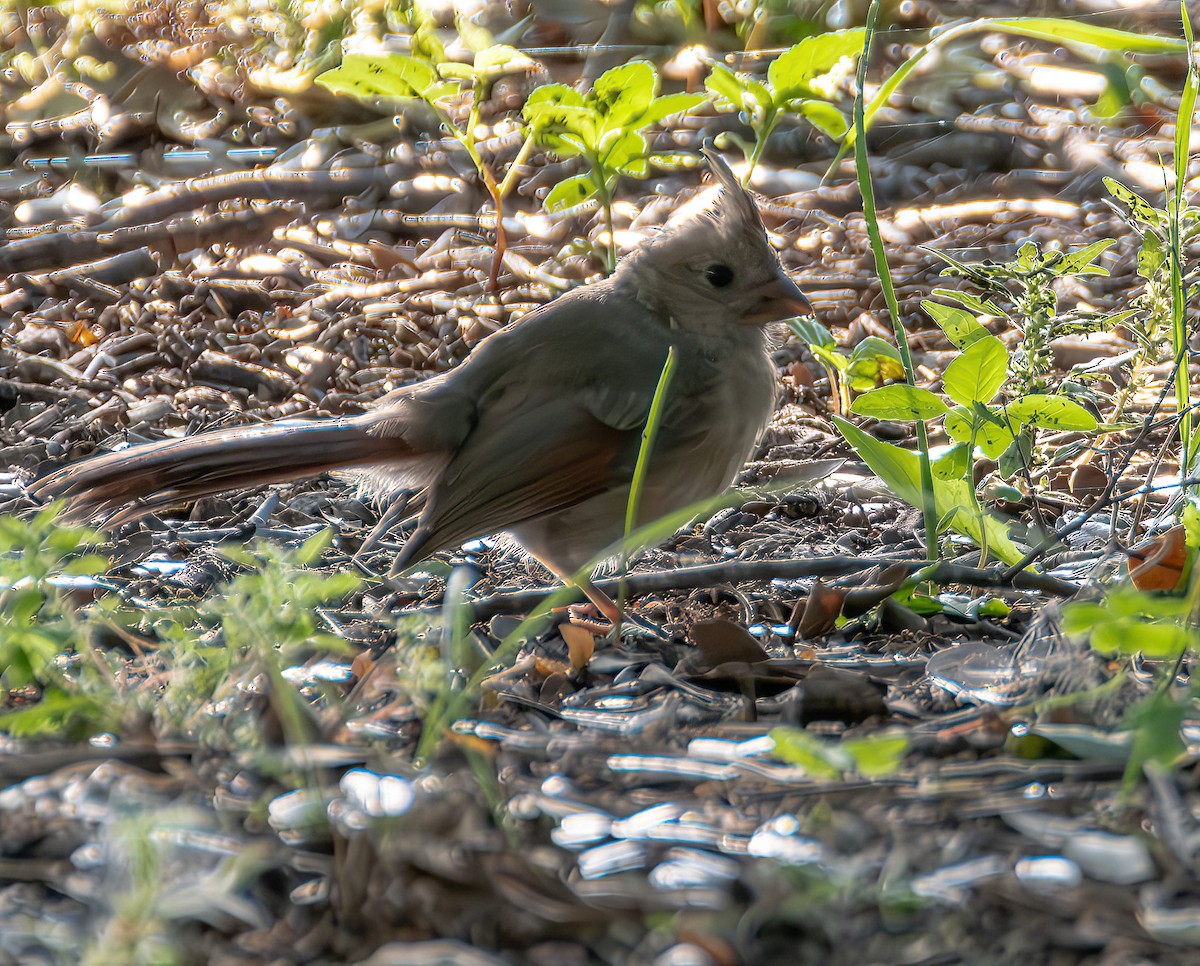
(629, 812)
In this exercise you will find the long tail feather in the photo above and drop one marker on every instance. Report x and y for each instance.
(159, 474)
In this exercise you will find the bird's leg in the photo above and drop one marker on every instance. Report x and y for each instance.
(616, 616)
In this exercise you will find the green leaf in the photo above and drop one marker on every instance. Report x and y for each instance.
(831, 357)
(992, 436)
(825, 117)
(1061, 31)
(952, 464)
(901, 402)
(1126, 635)
(877, 755)
(1080, 262)
(797, 747)
(1151, 255)
(960, 326)
(1143, 212)
(570, 192)
(626, 153)
(900, 470)
(789, 74)
(555, 109)
(1018, 456)
(1189, 516)
(1051, 412)
(502, 59)
(977, 374)
(874, 362)
(983, 306)
(622, 94)
(726, 87)
(391, 76)
(23, 604)
(812, 333)
(668, 105)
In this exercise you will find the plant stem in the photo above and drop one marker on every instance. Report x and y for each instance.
(604, 192)
(1179, 333)
(760, 142)
(929, 507)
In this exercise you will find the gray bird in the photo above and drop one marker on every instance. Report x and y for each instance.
(537, 432)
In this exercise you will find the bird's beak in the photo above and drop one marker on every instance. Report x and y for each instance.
(779, 299)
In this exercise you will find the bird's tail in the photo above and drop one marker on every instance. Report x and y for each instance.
(123, 485)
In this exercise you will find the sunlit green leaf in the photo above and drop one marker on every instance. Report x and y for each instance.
(502, 59)
(1061, 31)
(1143, 212)
(1080, 262)
(877, 755)
(992, 436)
(1051, 412)
(570, 192)
(789, 74)
(1151, 255)
(900, 402)
(387, 75)
(978, 373)
(812, 333)
(825, 117)
(818, 758)
(668, 105)
(900, 470)
(960, 326)
(626, 153)
(872, 363)
(971, 301)
(726, 88)
(952, 464)
(621, 94)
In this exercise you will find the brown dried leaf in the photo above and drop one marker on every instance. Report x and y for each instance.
(724, 642)
(821, 611)
(581, 644)
(1158, 564)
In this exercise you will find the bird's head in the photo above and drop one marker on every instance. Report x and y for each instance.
(714, 268)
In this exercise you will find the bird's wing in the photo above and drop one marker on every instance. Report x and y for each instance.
(565, 429)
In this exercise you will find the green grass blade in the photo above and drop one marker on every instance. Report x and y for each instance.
(928, 505)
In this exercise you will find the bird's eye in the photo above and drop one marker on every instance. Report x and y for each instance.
(718, 275)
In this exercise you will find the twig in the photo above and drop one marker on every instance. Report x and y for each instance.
(785, 568)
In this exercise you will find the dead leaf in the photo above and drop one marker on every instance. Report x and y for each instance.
(877, 585)
(548, 667)
(724, 642)
(80, 334)
(362, 665)
(1087, 482)
(821, 611)
(581, 644)
(1158, 564)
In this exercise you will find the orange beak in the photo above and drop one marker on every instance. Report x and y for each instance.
(779, 299)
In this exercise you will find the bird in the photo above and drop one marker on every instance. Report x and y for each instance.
(537, 431)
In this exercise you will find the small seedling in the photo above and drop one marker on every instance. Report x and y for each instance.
(440, 83)
(802, 81)
(606, 127)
